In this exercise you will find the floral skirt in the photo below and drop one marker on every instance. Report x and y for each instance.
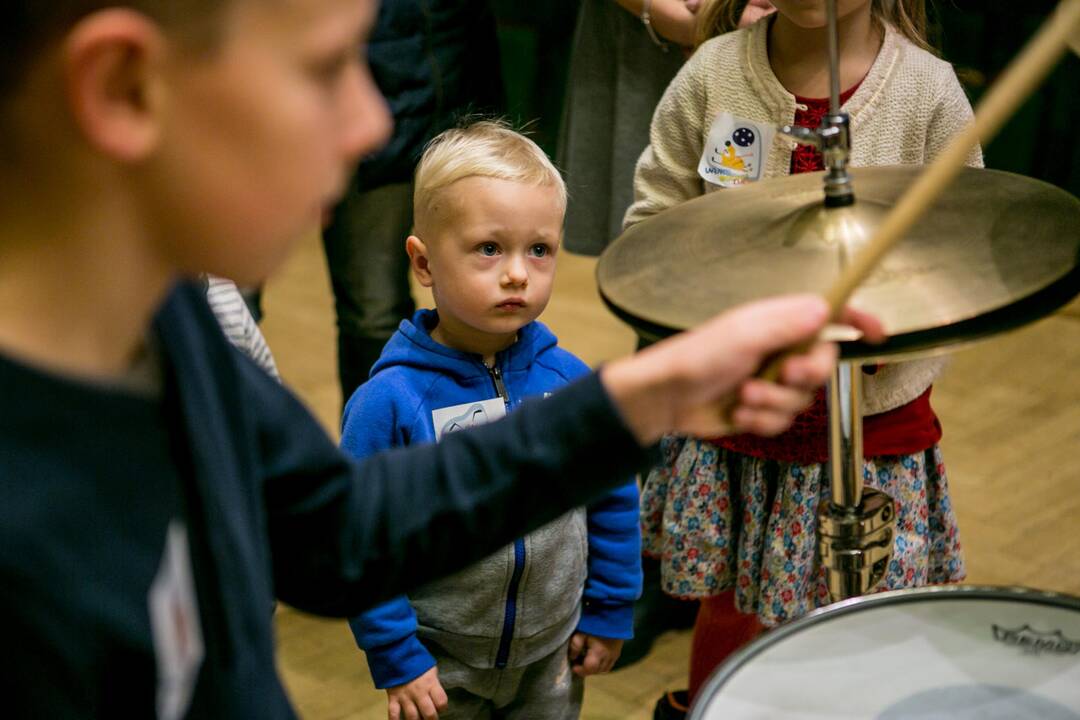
(717, 519)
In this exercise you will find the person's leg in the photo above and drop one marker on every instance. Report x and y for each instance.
(545, 690)
(655, 613)
(720, 630)
(369, 272)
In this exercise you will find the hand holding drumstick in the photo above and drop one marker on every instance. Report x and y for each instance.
(682, 384)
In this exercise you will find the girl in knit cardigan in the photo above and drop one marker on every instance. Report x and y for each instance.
(734, 521)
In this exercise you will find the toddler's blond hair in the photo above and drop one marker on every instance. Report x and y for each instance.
(485, 148)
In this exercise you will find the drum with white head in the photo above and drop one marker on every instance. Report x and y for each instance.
(946, 652)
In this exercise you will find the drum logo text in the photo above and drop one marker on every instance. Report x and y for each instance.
(1033, 642)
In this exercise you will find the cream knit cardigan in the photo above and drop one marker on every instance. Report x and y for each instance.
(904, 112)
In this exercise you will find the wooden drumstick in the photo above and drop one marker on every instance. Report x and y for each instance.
(1019, 80)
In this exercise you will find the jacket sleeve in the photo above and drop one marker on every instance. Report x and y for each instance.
(386, 633)
(614, 578)
(344, 538)
(666, 173)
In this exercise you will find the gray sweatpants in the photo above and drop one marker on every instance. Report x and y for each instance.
(544, 690)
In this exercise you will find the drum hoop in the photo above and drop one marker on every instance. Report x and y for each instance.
(871, 602)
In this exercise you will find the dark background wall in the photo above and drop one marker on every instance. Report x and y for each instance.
(980, 38)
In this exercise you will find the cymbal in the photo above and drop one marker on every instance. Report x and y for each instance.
(996, 251)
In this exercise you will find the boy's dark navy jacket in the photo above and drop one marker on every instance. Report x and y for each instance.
(582, 571)
(91, 476)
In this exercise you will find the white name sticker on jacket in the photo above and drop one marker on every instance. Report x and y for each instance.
(174, 623)
(735, 151)
(458, 417)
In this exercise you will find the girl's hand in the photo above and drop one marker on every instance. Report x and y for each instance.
(591, 655)
(673, 20)
(420, 699)
(754, 11)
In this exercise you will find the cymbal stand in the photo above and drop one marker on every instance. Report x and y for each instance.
(855, 524)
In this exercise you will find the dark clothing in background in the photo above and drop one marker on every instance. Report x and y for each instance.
(617, 76)
(434, 61)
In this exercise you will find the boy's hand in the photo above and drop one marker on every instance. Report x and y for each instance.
(422, 698)
(591, 655)
(700, 382)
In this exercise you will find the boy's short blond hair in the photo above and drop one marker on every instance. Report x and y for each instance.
(486, 148)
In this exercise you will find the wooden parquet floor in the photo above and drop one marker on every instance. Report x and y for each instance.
(1010, 407)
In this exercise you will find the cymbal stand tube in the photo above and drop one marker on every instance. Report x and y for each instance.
(845, 435)
(834, 58)
(855, 524)
(834, 129)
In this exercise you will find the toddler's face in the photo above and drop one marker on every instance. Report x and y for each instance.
(264, 132)
(492, 259)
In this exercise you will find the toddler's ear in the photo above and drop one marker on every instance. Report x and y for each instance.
(419, 261)
(112, 61)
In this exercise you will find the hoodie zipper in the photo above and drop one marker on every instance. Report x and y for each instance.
(510, 612)
(497, 380)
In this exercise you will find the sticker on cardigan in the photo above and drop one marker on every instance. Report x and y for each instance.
(458, 417)
(174, 625)
(735, 151)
